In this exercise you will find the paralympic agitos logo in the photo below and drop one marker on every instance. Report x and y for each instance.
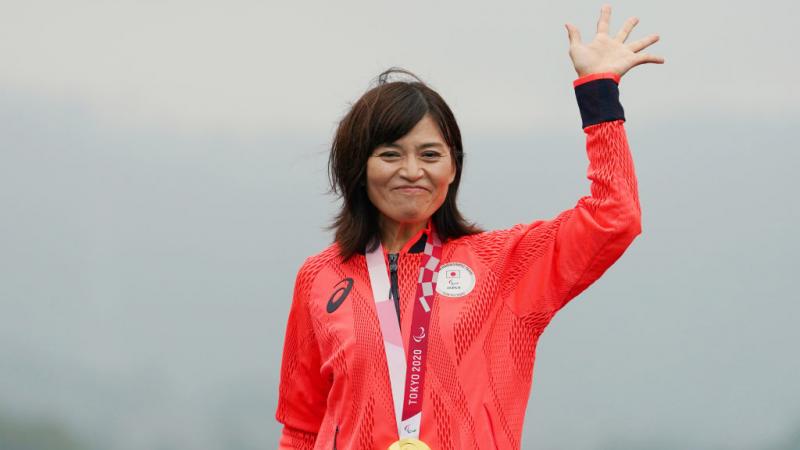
(337, 298)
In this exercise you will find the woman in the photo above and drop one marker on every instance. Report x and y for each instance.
(416, 329)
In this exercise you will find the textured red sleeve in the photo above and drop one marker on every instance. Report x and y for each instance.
(555, 260)
(302, 394)
(292, 439)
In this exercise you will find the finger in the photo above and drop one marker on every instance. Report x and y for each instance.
(643, 43)
(645, 58)
(626, 29)
(574, 34)
(605, 16)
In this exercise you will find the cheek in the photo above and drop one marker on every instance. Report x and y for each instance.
(376, 183)
(444, 185)
(446, 176)
(371, 176)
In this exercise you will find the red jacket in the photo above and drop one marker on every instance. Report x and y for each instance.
(508, 284)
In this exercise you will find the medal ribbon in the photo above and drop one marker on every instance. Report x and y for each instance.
(406, 372)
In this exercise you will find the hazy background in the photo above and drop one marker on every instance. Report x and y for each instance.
(162, 177)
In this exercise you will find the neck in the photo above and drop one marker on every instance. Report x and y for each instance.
(395, 234)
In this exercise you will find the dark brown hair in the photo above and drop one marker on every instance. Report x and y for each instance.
(384, 114)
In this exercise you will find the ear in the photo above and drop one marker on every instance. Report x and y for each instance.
(452, 172)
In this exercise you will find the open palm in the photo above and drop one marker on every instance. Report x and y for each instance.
(606, 53)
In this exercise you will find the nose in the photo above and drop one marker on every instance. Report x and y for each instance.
(411, 169)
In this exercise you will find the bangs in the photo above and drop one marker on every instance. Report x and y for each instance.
(397, 112)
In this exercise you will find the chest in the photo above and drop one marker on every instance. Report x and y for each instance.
(346, 320)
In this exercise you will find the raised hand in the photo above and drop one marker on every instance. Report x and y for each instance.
(606, 53)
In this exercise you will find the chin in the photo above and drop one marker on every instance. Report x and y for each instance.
(410, 216)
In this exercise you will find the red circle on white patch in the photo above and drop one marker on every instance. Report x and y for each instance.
(455, 280)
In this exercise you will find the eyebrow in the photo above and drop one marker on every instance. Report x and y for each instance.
(419, 147)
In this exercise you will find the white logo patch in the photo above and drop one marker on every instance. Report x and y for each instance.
(455, 280)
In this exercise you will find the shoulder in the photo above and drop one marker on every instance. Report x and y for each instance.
(486, 245)
(492, 244)
(314, 264)
(495, 238)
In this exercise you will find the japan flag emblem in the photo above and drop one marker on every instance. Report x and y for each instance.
(455, 280)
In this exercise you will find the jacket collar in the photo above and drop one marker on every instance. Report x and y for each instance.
(417, 242)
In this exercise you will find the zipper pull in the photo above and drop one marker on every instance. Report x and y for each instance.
(394, 289)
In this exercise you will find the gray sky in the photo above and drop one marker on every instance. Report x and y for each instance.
(162, 177)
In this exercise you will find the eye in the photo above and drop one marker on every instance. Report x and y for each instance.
(390, 154)
(431, 155)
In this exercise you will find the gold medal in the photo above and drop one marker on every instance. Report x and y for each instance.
(409, 444)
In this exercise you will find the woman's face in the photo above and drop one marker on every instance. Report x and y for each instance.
(407, 180)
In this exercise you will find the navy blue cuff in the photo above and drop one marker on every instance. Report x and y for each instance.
(598, 101)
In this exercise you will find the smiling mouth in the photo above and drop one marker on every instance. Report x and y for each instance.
(411, 190)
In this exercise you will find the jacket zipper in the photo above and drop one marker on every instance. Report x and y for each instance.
(335, 436)
(394, 291)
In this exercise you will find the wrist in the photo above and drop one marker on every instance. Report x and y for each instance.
(591, 76)
(598, 98)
